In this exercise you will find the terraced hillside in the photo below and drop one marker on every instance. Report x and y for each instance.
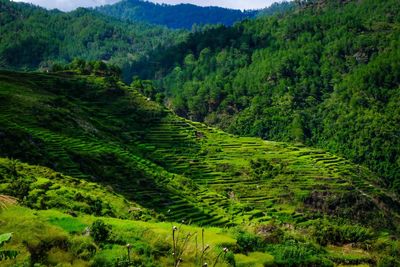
(96, 147)
(262, 180)
(81, 139)
(100, 130)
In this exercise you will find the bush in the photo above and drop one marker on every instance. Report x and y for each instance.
(19, 188)
(41, 244)
(100, 232)
(83, 248)
(270, 233)
(388, 261)
(294, 253)
(329, 233)
(248, 242)
(102, 261)
(230, 259)
(161, 248)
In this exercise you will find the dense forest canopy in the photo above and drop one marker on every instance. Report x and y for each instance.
(33, 37)
(326, 75)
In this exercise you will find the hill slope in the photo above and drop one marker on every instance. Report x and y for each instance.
(121, 155)
(326, 75)
(101, 131)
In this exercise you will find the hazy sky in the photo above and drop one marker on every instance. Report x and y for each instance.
(67, 5)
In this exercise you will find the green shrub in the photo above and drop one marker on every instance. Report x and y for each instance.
(142, 248)
(100, 232)
(294, 253)
(102, 260)
(326, 232)
(230, 259)
(6, 254)
(39, 246)
(83, 248)
(161, 248)
(248, 242)
(19, 188)
(270, 233)
(388, 261)
(262, 169)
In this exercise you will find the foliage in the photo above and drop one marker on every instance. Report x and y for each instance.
(40, 188)
(262, 169)
(6, 254)
(326, 232)
(112, 152)
(293, 253)
(100, 232)
(325, 74)
(34, 38)
(248, 242)
(98, 68)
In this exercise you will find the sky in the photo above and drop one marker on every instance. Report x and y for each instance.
(67, 5)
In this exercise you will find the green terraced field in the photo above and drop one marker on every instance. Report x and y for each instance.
(130, 158)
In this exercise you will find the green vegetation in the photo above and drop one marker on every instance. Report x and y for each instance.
(326, 75)
(6, 254)
(95, 172)
(34, 38)
(97, 166)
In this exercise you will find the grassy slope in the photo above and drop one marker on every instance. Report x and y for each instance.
(52, 228)
(142, 156)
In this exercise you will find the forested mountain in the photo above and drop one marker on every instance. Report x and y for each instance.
(174, 16)
(33, 37)
(326, 74)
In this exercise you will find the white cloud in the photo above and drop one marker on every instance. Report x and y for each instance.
(67, 5)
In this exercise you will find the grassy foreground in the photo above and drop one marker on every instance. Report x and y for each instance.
(57, 239)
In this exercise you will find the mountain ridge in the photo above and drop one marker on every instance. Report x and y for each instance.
(173, 16)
